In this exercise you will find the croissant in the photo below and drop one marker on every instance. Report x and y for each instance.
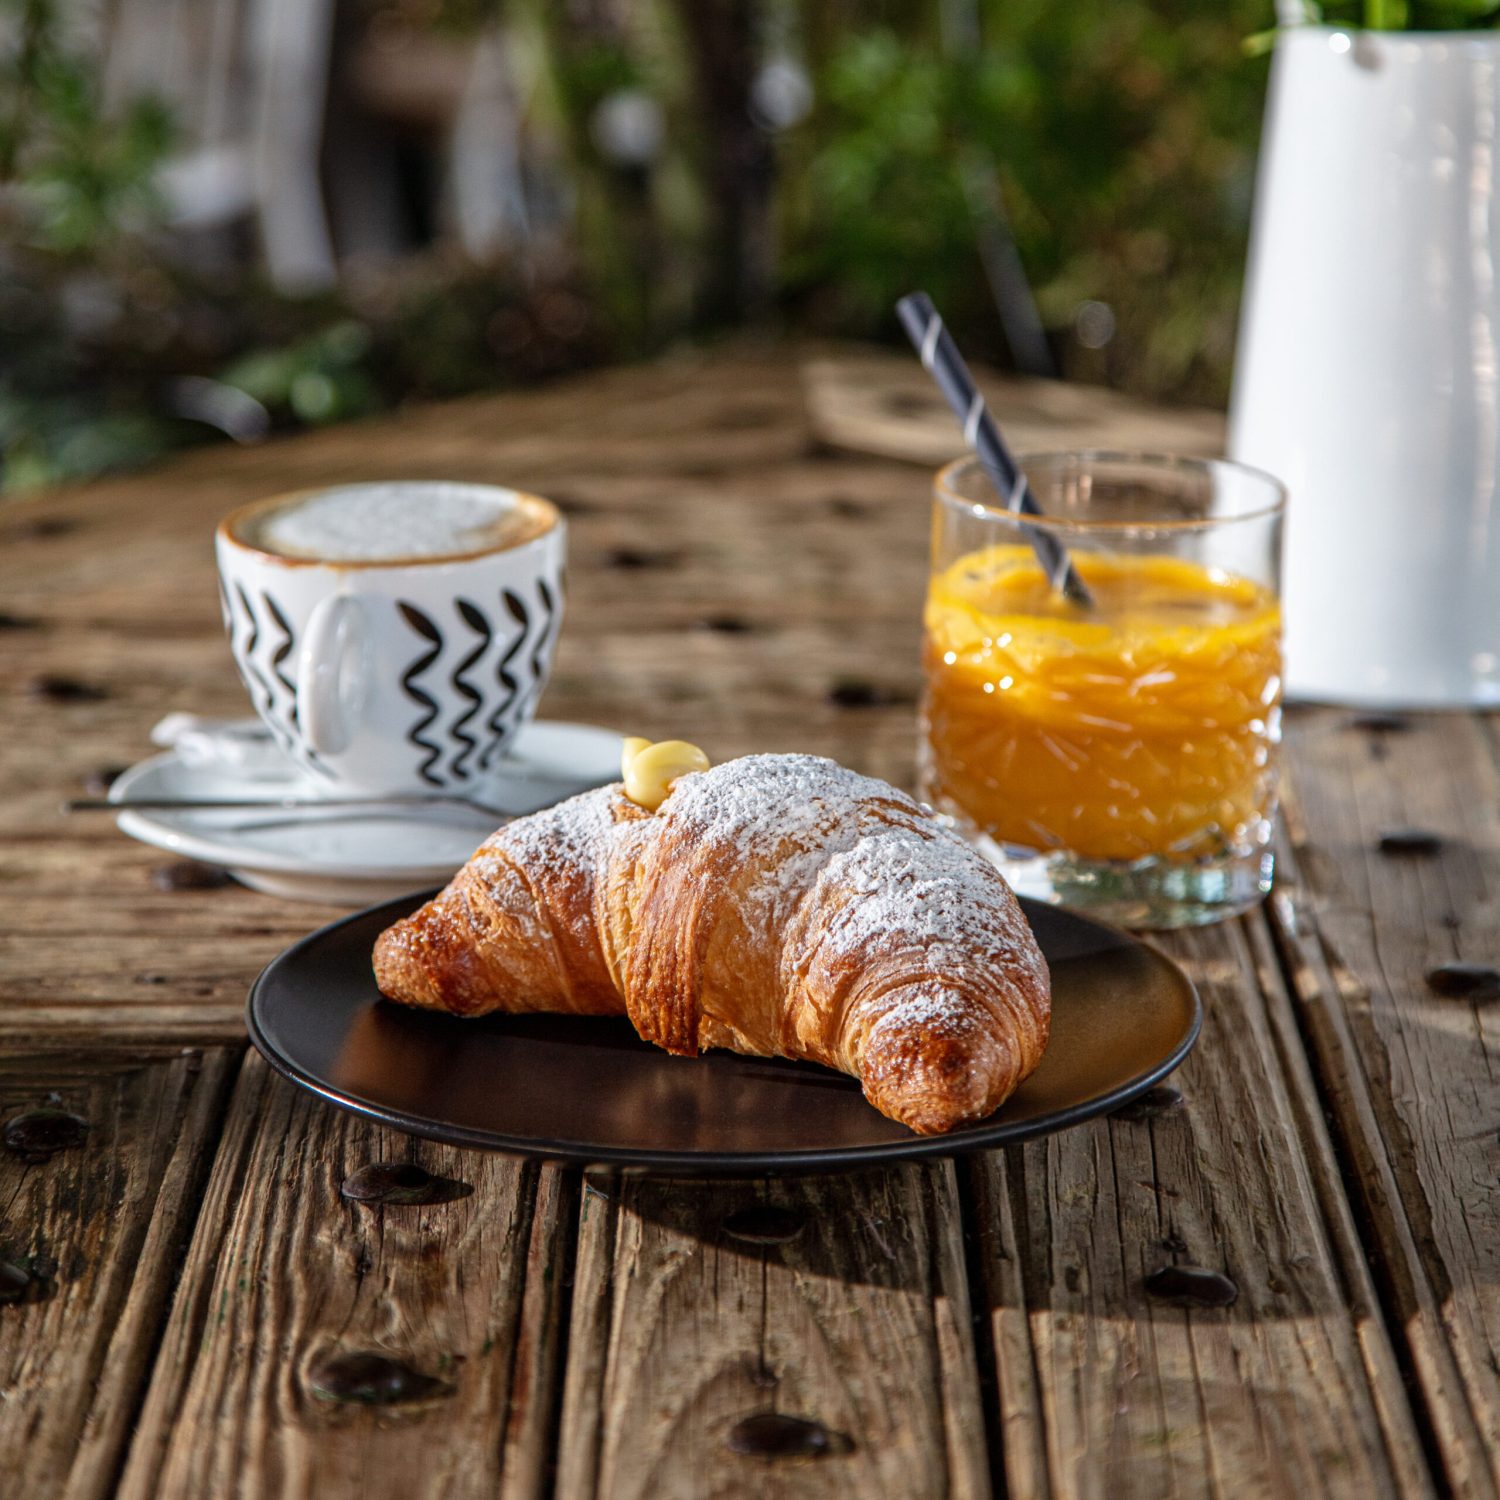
(777, 905)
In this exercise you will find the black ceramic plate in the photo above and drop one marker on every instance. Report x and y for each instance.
(586, 1089)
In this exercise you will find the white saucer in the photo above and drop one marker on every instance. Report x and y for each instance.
(353, 858)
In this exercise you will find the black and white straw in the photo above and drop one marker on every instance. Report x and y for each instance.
(939, 354)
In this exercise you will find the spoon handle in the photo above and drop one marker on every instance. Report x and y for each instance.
(273, 804)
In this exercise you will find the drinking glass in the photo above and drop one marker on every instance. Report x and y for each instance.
(1121, 756)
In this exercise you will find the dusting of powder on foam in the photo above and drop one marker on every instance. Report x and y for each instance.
(368, 523)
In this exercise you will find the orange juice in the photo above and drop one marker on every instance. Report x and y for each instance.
(1144, 726)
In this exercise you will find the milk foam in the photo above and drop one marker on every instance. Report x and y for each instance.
(385, 522)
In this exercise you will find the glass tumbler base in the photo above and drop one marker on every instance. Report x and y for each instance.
(1153, 893)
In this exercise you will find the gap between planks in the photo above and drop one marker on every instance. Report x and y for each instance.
(1106, 1392)
(108, 1218)
(856, 1317)
(284, 1274)
(1408, 1077)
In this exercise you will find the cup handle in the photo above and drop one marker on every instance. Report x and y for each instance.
(332, 633)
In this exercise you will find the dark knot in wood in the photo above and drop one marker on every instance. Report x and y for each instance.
(726, 624)
(852, 692)
(57, 689)
(637, 559)
(42, 528)
(19, 1283)
(1413, 841)
(847, 508)
(9, 621)
(39, 1134)
(189, 875)
(369, 1379)
(1192, 1286)
(1155, 1102)
(910, 404)
(1380, 723)
(1465, 981)
(388, 1183)
(771, 1435)
(764, 1224)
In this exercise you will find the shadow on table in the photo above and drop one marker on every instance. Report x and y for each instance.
(883, 1227)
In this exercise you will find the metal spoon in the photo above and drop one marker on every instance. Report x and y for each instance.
(275, 804)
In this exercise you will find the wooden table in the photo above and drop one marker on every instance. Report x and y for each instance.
(184, 1281)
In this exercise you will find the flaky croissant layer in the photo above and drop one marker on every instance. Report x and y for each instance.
(778, 905)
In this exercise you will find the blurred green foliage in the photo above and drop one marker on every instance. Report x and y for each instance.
(1122, 138)
(1118, 135)
(76, 186)
(1406, 15)
(1384, 15)
(111, 346)
(83, 177)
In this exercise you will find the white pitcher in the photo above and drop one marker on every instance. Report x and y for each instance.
(1368, 373)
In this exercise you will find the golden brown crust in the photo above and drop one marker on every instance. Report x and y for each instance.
(776, 905)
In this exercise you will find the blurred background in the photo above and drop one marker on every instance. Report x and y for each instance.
(225, 218)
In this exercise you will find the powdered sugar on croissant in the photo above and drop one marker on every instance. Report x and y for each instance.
(778, 905)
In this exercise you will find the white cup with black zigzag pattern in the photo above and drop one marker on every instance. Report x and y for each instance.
(397, 675)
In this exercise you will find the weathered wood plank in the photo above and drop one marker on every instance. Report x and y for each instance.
(736, 584)
(1410, 1076)
(727, 587)
(851, 1312)
(1292, 1389)
(285, 1275)
(127, 960)
(880, 401)
(100, 1225)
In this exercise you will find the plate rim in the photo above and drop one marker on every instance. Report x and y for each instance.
(727, 1163)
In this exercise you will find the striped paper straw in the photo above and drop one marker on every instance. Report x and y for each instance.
(925, 328)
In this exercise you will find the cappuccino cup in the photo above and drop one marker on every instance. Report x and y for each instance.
(394, 637)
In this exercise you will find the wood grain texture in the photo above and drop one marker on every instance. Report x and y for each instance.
(285, 1274)
(1410, 1075)
(101, 1226)
(732, 583)
(729, 584)
(736, 581)
(858, 1321)
(1107, 1391)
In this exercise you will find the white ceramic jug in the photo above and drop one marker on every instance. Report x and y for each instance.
(1368, 372)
